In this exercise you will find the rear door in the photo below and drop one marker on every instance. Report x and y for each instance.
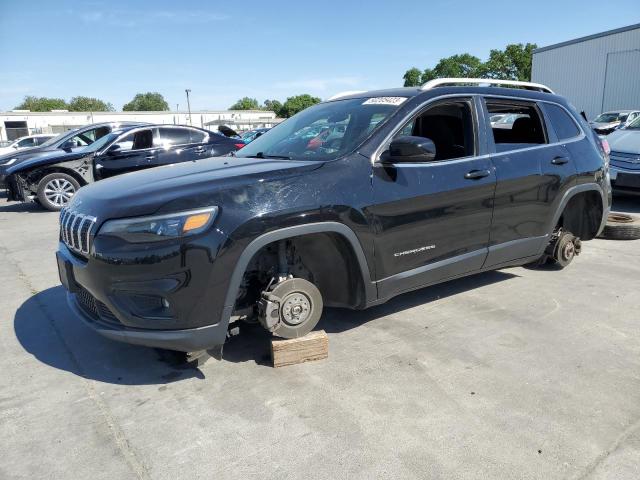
(180, 144)
(533, 170)
(433, 218)
(133, 151)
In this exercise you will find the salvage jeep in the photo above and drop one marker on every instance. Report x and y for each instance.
(413, 188)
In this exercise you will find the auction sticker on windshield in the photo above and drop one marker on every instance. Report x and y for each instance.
(384, 101)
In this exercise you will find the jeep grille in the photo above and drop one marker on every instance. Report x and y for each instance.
(75, 230)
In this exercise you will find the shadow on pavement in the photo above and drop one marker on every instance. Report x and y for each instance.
(46, 328)
(26, 207)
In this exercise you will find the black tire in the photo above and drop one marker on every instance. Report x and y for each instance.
(621, 226)
(56, 190)
(301, 293)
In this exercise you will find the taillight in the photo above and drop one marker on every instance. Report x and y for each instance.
(239, 145)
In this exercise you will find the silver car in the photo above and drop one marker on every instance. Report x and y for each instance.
(607, 122)
(625, 157)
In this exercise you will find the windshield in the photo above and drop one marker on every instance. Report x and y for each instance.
(607, 117)
(57, 138)
(101, 142)
(324, 131)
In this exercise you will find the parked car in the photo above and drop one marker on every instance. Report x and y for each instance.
(251, 135)
(625, 158)
(69, 141)
(23, 143)
(53, 177)
(607, 122)
(418, 190)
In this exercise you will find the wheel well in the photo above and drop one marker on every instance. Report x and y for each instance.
(37, 175)
(326, 259)
(582, 215)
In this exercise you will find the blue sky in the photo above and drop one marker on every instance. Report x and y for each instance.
(263, 49)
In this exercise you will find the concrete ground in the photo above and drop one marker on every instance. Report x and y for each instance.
(518, 373)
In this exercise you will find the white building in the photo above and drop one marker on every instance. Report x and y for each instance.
(597, 73)
(17, 123)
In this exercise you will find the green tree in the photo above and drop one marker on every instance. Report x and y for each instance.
(245, 103)
(462, 65)
(147, 102)
(512, 63)
(42, 104)
(273, 106)
(89, 104)
(412, 77)
(296, 104)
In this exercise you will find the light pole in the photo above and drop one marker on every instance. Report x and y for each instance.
(188, 91)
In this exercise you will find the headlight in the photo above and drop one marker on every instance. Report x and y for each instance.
(160, 227)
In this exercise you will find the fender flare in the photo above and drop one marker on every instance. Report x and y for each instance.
(289, 232)
(572, 192)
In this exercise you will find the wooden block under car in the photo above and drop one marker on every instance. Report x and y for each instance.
(313, 346)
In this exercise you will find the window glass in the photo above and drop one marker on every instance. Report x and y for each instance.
(196, 136)
(173, 136)
(42, 140)
(325, 131)
(519, 125)
(562, 122)
(448, 125)
(27, 142)
(90, 136)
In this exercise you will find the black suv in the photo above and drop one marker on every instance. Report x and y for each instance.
(53, 176)
(417, 187)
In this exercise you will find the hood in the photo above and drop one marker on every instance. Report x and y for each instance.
(32, 159)
(27, 153)
(604, 125)
(150, 191)
(625, 141)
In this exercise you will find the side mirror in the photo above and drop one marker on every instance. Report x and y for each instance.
(409, 149)
(69, 144)
(113, 149)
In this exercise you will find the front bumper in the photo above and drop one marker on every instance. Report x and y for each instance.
(189, 340)
(170, 297)
(624, 179)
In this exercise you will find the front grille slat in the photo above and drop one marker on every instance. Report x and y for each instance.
(76, 230)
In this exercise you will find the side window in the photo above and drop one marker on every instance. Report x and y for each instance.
(562, 122)
(196, 136)
(41, 140)
(90, 136)
(174, 136)
(142, 139)
(515, 125)
(125, 143)
(449, 126)
(27, 142)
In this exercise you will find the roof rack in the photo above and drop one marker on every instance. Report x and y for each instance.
(438, 82)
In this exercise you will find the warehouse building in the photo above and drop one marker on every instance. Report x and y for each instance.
(17, 123)
(597, 73)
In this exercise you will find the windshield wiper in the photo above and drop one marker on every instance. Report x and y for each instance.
(262, 155)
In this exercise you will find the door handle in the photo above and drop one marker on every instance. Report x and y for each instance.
(150, 157)
(98, 166)
(200, 150)
(560, 160)
(476, 174)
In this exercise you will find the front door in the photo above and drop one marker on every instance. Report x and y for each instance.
(132, 151)
(433, 218)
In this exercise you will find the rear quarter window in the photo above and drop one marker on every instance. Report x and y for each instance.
(563, 124)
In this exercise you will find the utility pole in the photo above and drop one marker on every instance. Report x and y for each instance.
(187, 91)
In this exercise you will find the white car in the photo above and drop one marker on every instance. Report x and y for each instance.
(29, 141)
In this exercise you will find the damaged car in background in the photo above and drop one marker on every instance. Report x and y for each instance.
(52, 177)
